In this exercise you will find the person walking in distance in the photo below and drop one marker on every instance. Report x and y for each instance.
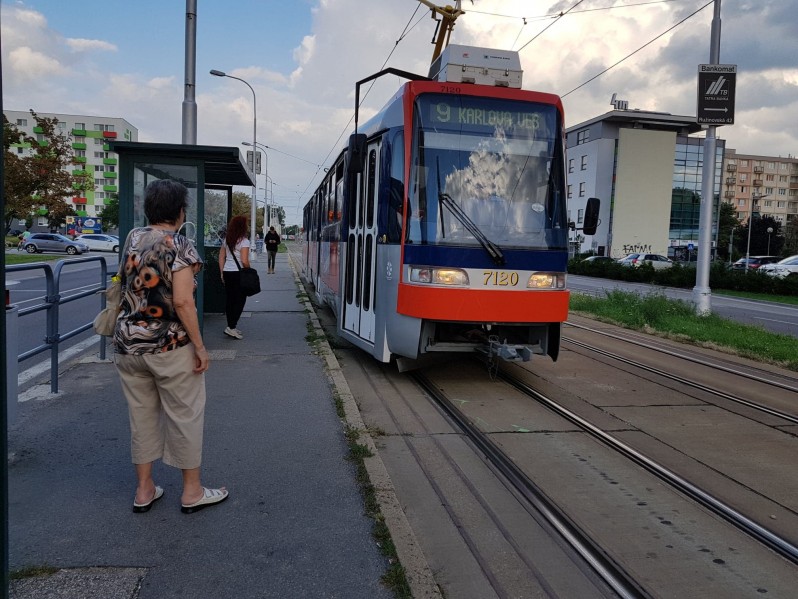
(160, 356)
(272, 243)
(236, 248)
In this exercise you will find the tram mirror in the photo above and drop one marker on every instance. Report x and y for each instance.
(591, 221)
(357, 153)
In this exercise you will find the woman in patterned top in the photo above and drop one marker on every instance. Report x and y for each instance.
(160, 355)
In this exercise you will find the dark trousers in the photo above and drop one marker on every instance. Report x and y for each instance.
(235, 298)
(272, 256)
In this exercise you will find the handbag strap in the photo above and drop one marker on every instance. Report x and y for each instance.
(234, 256)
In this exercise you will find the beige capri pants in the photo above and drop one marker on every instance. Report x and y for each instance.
(166, 404)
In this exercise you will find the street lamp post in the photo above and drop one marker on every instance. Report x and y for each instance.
(253, 215)
(754, 200)
(770, 230)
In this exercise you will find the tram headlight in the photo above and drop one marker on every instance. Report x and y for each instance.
(438, 276)
(546, 280)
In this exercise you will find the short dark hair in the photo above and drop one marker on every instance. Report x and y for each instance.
(163, 201)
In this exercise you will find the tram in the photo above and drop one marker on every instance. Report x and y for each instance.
(442, 226)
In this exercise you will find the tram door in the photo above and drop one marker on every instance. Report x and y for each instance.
(361, 251)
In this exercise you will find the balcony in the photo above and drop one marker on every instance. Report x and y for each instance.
(731, 180)
(108, 201)
(106, 147)
(78, 145)
(38, 129)
(731, 168)
(79, 159)
(109, 134)
(109, 188)
(111, 161)
(80, 172)
(757, 183)
(759, 169)
(79, 200)
(110, 175)
(729, 195)
(79, 132)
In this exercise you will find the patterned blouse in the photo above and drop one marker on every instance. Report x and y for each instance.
(148, 323)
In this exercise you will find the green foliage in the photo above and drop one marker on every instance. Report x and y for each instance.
(675, 318)
(43, 178)
(684, 276)
(110, 213)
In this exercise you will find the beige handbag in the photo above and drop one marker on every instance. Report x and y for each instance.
(105, 322)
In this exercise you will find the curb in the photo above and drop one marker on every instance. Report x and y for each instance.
(417, 571)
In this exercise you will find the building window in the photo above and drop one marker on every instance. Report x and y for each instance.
(781, 204)
(42, 221)
(782, 191)
(770, 177)
(581, 192)
(741, 202)
(583, 136)
(743, 189)
(99, 195)
(98, 167)
(580, 216)
(768, 203)
(743, 163)
(80, 153)
(570, 192)
(583, 166)
(571, 165)
(768, 190)
(98, 141)
(101, 155)
(22, 122)
(782, 178)
(61, 125)
(20, 150)
(743, 177)
(771, 165)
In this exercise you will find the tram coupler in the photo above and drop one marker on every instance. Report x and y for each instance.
(506, 351)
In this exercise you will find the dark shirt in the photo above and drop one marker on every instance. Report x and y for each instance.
(272, 241)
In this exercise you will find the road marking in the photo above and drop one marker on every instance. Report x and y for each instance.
(39, 369)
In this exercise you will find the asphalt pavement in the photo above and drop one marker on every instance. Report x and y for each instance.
(294, 525)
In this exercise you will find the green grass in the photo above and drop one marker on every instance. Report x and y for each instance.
(782, 299)
(32, 571)
(677, 320)
(14, 258)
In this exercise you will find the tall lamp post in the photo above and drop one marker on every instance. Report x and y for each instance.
(770, 230)
(253, 216)
(754, 200)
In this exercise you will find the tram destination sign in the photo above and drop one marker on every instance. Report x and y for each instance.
(716, 85)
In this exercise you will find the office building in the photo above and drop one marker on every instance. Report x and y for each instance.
(766, 185)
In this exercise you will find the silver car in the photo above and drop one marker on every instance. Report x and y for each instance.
(100, 242)
(655, 260)
(53, 242)
(782, 269)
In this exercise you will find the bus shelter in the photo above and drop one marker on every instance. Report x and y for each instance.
(209, 173)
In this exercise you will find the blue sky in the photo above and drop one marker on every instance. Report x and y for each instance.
(125, 58)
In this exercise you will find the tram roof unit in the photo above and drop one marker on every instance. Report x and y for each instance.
(481, 66)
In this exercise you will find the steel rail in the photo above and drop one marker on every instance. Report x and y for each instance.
(765, 536)
(733, 398)
(612, 574)
(668, 352)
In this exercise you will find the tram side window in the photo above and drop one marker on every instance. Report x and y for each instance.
(372, 178)
(339, 188)
(396, 189)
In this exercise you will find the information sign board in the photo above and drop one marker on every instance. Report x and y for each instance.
(716, 86)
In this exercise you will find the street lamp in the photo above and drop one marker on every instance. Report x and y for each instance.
(770, 230)
(216, 73)
(754, 200)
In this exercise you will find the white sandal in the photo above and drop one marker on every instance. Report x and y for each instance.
(210, 497)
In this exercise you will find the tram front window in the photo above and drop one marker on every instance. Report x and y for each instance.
(499, 161)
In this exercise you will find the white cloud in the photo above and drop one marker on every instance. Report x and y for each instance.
(27, 63)
(83, 45)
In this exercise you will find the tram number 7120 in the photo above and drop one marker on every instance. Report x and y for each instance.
(500, 278)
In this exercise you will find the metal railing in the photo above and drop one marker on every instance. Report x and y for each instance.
(52, 301)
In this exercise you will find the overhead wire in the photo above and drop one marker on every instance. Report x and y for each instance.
(407, 29)
(560, 16)
(648, 43)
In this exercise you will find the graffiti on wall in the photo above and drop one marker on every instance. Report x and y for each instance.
(639, 248)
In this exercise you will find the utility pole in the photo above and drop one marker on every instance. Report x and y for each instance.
(190, 86)
(702, 294)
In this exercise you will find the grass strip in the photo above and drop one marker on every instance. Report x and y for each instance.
(676, 319)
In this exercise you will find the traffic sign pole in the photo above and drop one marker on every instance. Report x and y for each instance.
(702, 294)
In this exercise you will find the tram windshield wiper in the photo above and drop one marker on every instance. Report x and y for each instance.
(491, 248)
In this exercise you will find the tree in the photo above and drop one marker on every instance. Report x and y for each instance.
(760, 238)
(727, 222)
(44, 178)
(791, 237)
(110, 213)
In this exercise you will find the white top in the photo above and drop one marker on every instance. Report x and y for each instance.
(229, 263)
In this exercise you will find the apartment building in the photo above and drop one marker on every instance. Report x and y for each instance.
(90, 136)
(767, 185)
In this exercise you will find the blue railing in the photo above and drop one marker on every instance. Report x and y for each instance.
(52, 300)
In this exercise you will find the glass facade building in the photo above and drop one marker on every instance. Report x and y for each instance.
(686, 192)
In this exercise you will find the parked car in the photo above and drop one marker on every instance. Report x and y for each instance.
(754, 262)
(100, 241)
(53, 242)
(783, 268)
(599, 259)
(655, 260)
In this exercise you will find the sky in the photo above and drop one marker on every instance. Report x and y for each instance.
(126, 59)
